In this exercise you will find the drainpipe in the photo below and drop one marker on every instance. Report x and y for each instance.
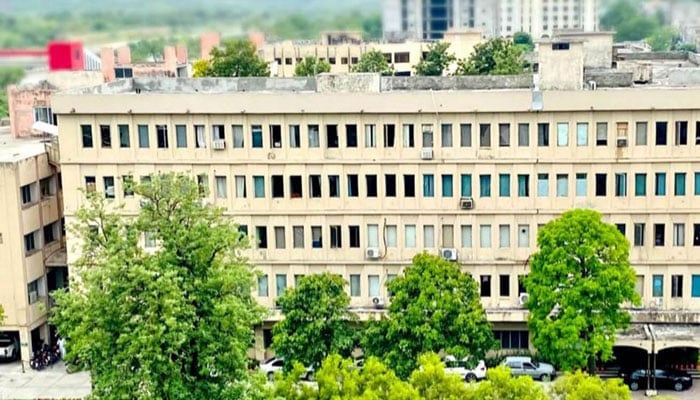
(647, 331)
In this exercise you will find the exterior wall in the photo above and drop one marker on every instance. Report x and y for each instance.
(597, 47)
(560, 69)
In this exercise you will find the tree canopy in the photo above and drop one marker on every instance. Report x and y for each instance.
(495, 57)
(579, 279)
(311, 66)
(235, 58)
(433, 307)
(171, 322)
(8, 76)
(501, 385)
(435, 61)
(316, 321)
(631, 23)
(373, 61)
(523, 40)
(580, 386)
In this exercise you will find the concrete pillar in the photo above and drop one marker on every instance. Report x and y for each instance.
(209, 41)
(170, 59)
(181, 54)
(107, 56)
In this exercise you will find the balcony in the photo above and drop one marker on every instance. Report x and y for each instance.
(52, 151)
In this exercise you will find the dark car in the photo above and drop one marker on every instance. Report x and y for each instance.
(665, 379)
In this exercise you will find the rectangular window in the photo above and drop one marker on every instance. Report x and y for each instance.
(256, 136)
(504, 236)
(261, 236)
(181, 136)
(582, 134)
(263, 290)
(660, 189)
(34, 290)
(90, 184)
(504, 135)
(334, 185)
(162, 136)
(280, 242)
(504, 185)
(661, 133)
(517, 340)
(370, 136)
(659, 235)
(200, 140)
(298, 237)
(390, 185)
(657, 286)
(241, 191)
(523, 236)
(621, 184)
(105, 136)
(466, 185)
(295, 187)
(124, 138)
(485, 185)
(372, 235)
(681, 133)
(523, 135)
(408, 136)
(220, 182)
(641, 134)
(202, 183)
(277, 186)
(640, 184)
(562, 134)
(27, 194)
(314, 136)
(410, 233)
(373, 285)
(679, 235)
(465, 135)
(485, 236)
(281, 283)
(447, 189)
(543, 134)
(294, 136)
(389, 135)
(259, 186)
(504, 285)
(446, 135)
(237, 135)
(523, 185)
(428, 236)
(428, 185)
(696, 234)
(128, 185)
(695, 286)
(638, 234)
(679, 184)
(466, 233)
(697, 132)
(485, 285)
(676, 286)
(109, 186)
(601, 135)
(581, 185)
(371, 183)
(409, 186)
(351, 135)
(353, 185)
(316, 237)
(601, 188)
(355, 285)
(696, 188)
(484, 135)
(275, 136)
(31, 242)
(621, 228)
(144, 141)
(315, 186)
(354, 235)
(448, 236)
(86, 131)
(542, 185)
(391, 236)
(562, 185)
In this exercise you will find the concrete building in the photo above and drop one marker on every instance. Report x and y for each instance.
(430, 19)
(32, 243)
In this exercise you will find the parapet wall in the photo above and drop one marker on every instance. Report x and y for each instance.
(480, 82)
(609, 78)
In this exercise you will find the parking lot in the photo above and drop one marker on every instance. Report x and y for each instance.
(51, 383)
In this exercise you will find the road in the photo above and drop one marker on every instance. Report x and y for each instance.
(51, 383)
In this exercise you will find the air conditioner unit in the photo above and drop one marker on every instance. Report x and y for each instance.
(449, 254)
(378, 302)
(372, 253)
(523, 298)
(466, 203)
(426, 154)
(218, 144)
(622, 142)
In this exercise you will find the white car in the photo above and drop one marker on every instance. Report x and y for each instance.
(9, 348)
(453, 366)
(273, 365)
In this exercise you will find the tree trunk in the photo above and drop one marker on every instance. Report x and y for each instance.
(591, 365)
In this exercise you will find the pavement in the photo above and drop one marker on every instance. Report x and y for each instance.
(691, 394)
(51, 383)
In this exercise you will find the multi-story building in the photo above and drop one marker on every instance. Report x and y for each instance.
(32, 244)
(357, 174)
(430, 19)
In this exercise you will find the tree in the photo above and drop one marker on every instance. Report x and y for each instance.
(174, 323)
(373, 61)
(433, 383)
(578, 281)
(501, 385)
(663, 39)
(8, 76)
(237, 58)
(628, 21)
(495, 57)
(201, 68)
(436, 60)
(523, 41)
(311, 66)
(150, 50)
(581, 386)
(434, 307)
(316, 321)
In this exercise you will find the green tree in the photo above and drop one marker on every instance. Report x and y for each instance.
(434, 307)
(201, 68)
(237, 58)
(501, 385)
(373, 61)
(316, 321)
(581, 386)
(175, 323)
(372, 27)
(495, 57)
(433, 383)
(628, 21)
(579, 279)
(8, 76)
(311, 66)
(663, 39)
(150, 50)
(436, 60)
(523, 41)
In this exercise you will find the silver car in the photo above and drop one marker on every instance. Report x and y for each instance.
(9, 348)
(526, 366)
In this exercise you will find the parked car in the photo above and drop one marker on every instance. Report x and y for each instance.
(464, 368)
(665, 379)
(527, 366)
(9, 348)
(276, 364)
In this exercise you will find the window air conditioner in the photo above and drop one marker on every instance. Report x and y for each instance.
(466, 203)
(378, 302)
(372, 253)
(426, 154)
(523, 298)
(449, 254)
(622, 142)
(218, 144)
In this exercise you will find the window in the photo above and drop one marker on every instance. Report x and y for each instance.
(105, 136)
(517, 340)
(314, 186)
(447, 190)
(241, 191)
(298, 237)
(660, 189)
(428, 236)
(295, 187)
(465, 135)
(353, 186)
(332, 140)
(523, 135)
(485, 236)
(485, 185)
(562, 185)
(47, 188)
(466, 185)
(34, 290)
(621, 228)
(448, 236)
(314, 136)
(695, 283)
(659, 234)
(90, 184)
(410, 236)
(504, 236)
(621, 184)
(542, 185)
(200, 141)
(371, 183)
(428, 185)
(275, 136)
(543, 134)
(661, 133)
(485, 285)
(162, 136)
(409, 186)
(582, 134)
(601, 184)
(679, 235)
(27, 194)
(261, 236)
(257, 136)
(373, 283)
(263, 290)
(237, 134)
(351, 135)
(523, 185)
(697, 132)
(86, 131)
(123, 72)
(277, 186)
(316, 237)
(124, 138)
(601, 136)
(696, 189)
(484, 135)
(370, 136)
(144, 141)
(31, 242)
(504, 285)
(354, 235)
(281, 284)
(679, 184)
(504, 135)
(390, 185)
(259, 187)
(696, 234)
(681, 133)
(294, 136)
(639, 234)
(355, 285)
(562, 134)
(657, 286)
(280, 242)
(181, 136)
(640, 184)
(560, 46)
(427, 135)
(446, 135)
(641, 133)
(676, 286)
(109, 186)
(523, 236)
(466, 233)
(389, 135)
(504, 185)
(202, 183)
(334, 185)
(581, 185)
(44, 114)
(391, 236)
(372, 235)
(220, 182)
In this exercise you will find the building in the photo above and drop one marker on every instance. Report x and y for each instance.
(32, 244)
(430, 19)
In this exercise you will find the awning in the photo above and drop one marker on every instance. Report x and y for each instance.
(45, 127)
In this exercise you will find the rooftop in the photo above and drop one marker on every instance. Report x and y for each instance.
(16, 149)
